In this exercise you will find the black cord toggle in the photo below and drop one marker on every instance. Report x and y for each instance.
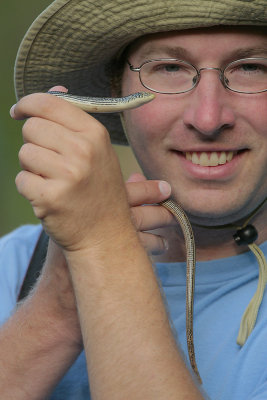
(246, 235)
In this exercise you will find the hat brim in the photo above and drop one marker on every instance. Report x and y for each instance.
(72, 42)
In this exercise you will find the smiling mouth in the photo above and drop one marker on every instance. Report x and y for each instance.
(210, 158)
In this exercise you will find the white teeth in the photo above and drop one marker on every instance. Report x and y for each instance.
(214, 159)
(229, 155)
(188, 156)
(195, 159)
(209, 159)
(203, 159)
(222, 158)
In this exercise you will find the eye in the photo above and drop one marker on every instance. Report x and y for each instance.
(247, 75)
(252, 67)
(165, 67)
(172, 67)
(248, 68)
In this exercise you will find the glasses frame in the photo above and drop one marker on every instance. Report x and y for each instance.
(198, 73)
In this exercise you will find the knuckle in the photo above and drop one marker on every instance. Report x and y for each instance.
(45, 103)
(159, 245)
(150, 191)
(37, 104)
(25, 103)
(22, 104)
(25, 152)
(75, 172)
(147, 189)
(166, 216)
(81, 147)
(31, 125)
(102, 133)
(138, 217)
(89, 148)
(98, 133)
(19, 180)
(145, 242)
(153, 244)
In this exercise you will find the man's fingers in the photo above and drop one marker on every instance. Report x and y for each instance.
(30, 186)
(31, 159)
(154, 244)
(147, 192)
(14, 113)
(147, 218)
(136, 177)
(59, 89)
(47, 106)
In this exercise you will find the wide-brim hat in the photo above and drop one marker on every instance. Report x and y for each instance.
(73, 42)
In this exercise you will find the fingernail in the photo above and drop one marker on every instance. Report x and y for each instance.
(164, 188)
(11, 112)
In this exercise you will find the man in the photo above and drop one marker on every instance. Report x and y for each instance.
(202, 141)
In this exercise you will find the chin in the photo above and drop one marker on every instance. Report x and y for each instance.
(214, 210)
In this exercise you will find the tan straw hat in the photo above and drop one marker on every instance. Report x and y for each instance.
(73, 41)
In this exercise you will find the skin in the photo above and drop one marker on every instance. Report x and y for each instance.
(63, 153)
(43, 335)
(209, 118)
(65, 163)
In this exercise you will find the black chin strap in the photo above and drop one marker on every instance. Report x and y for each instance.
(246, 235)
(234, 224)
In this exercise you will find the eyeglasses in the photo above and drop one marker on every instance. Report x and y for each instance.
(170, 75)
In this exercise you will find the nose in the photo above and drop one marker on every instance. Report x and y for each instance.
(209, 111)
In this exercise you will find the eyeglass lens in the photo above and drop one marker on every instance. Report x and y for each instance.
(176, 76)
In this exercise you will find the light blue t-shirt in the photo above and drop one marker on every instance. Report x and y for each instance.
(223, 290)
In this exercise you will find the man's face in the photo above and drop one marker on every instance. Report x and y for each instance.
(210, 122)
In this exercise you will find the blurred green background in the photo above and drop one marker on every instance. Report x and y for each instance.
(16, 16)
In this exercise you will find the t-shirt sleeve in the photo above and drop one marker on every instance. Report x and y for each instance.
(16, 250)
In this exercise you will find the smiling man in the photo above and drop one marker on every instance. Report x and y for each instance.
(106, 318)
(207, 125)
(209, 139)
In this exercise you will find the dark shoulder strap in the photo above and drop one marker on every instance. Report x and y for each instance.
(35, 265)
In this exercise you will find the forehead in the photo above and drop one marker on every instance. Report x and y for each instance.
(231, 42)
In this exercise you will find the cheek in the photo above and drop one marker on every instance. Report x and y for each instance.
(253, 110)
(151, 122)
(145, 134)
(139, 131)
(154, 119)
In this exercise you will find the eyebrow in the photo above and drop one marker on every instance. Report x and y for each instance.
(152, 51)
(249, 52)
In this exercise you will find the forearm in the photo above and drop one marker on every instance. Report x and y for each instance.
(77, 190)
(36, 349)
(131, 352)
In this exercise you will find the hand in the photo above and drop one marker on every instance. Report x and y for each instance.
(143, 196)
(70, 173)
